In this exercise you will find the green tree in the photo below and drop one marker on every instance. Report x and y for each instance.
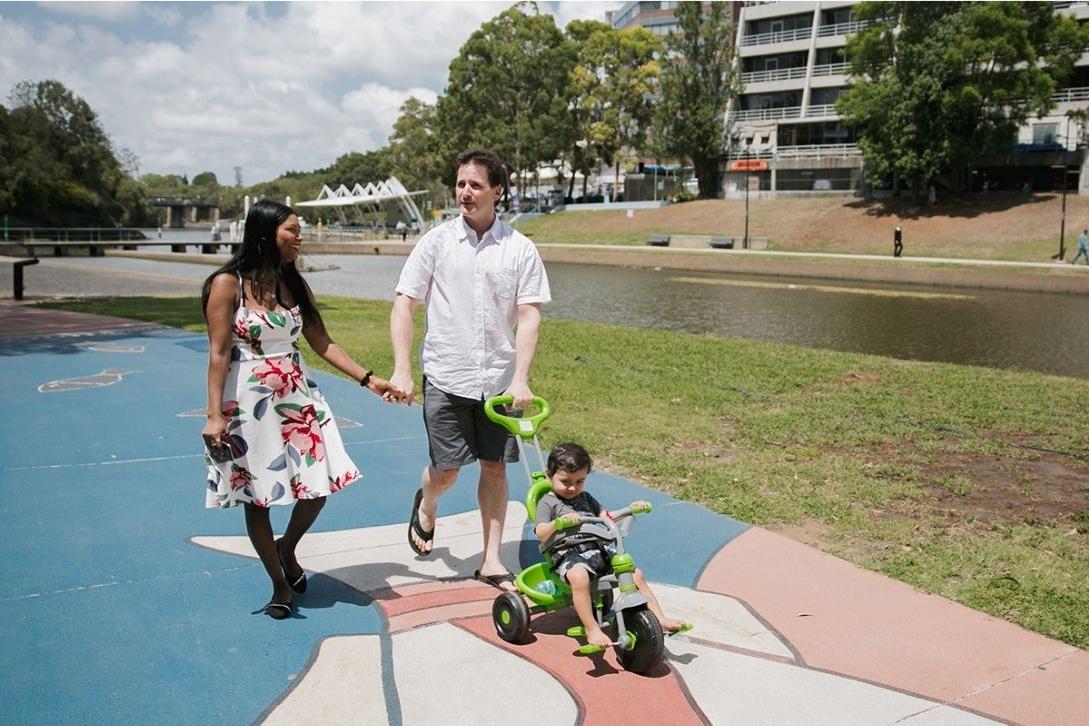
(412, 147)
(205, 179)
(507, 91)
(585, 100)
(618, 77)
(698, 80)
(59, 168)
(938, 85)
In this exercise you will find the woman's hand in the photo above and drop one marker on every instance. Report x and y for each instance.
(387, 391)
(215, 433)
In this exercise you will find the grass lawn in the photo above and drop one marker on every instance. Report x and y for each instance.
(1001, 226)
(967, 482)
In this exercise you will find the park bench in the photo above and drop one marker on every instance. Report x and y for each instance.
(722, 243)
(658, 240)
(18, 263)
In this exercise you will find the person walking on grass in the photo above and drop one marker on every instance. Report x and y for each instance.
(270, 438)
(1083, 247)
(483, 285)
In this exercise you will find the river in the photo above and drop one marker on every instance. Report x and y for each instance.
(1043, 332)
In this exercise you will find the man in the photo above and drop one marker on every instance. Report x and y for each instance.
(484, 285)
(402, 229)
(1083, 247)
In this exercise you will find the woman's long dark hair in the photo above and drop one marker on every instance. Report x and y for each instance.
(259, 251)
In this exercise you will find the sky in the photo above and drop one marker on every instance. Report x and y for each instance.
(268, 87)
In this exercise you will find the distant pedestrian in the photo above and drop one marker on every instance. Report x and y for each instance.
(1083, 247)
(402, 229)
(897, 242)
(270, 438)
(160, 231)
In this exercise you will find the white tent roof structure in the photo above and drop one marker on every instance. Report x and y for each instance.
(369, 198)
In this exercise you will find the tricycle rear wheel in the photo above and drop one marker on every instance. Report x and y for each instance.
(510, 615)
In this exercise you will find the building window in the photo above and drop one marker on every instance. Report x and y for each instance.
(1044, 133)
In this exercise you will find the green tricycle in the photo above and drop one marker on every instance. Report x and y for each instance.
(616, 600)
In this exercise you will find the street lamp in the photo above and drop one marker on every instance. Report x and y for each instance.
(1062, 223)
(748, 170)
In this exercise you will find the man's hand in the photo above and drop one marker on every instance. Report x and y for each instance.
(521, 393)
(402, 387)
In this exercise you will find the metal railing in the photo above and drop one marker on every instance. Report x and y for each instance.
(768, 114)
(831, 69)
(782, 36)
(1071, 95)
(781, 74)
(820, 110)
(818, 150)
(852, 26)
(72, 234)
(740, 152)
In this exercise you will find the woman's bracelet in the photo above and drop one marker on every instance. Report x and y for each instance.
(365, 379)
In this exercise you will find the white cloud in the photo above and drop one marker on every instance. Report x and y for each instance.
(108, 11)
(267, 88)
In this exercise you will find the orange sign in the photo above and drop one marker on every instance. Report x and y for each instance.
(749, 165)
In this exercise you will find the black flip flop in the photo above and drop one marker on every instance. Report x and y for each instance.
(279, 610)
(414, 526)
(298, 585)
(496, 581)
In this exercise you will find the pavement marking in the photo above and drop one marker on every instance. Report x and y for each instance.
(131, 581)
(112, 462)
(104, 347)
(323, 694)
(766, 692)
(106, 377)
(826, 288)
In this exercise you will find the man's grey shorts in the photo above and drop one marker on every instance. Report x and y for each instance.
(459, 432)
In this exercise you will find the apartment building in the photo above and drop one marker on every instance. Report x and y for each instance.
(657, 17)
(784, 133)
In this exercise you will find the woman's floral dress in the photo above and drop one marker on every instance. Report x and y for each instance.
(284, 443)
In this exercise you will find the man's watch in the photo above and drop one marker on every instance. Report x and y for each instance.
(365, 379)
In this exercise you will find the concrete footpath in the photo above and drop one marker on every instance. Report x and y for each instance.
(124, 601)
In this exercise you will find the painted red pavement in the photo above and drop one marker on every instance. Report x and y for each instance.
(604, 692)
(847, 620)
(20, 321)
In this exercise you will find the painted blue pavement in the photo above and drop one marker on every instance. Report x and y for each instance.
(109, 614)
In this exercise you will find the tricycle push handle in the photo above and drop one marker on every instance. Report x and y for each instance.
(524, 427)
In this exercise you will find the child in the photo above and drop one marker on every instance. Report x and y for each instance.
(567, 469)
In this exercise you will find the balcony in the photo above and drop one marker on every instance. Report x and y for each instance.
(768, 114)
(784, 36)
(1071, 95)
(818, 150)
(793, 152)
(780, 74)
(827, 109)
(842, 28)
(831, 69)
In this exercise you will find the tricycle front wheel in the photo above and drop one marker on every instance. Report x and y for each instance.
(649, 643)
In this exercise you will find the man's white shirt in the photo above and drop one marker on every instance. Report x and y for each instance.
(472, 289)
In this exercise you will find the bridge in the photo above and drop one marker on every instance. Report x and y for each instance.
(183, 211)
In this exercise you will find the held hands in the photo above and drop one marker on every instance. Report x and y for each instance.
(388, 392)
(401, 388)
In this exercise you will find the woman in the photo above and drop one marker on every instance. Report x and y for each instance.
(270, 437)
